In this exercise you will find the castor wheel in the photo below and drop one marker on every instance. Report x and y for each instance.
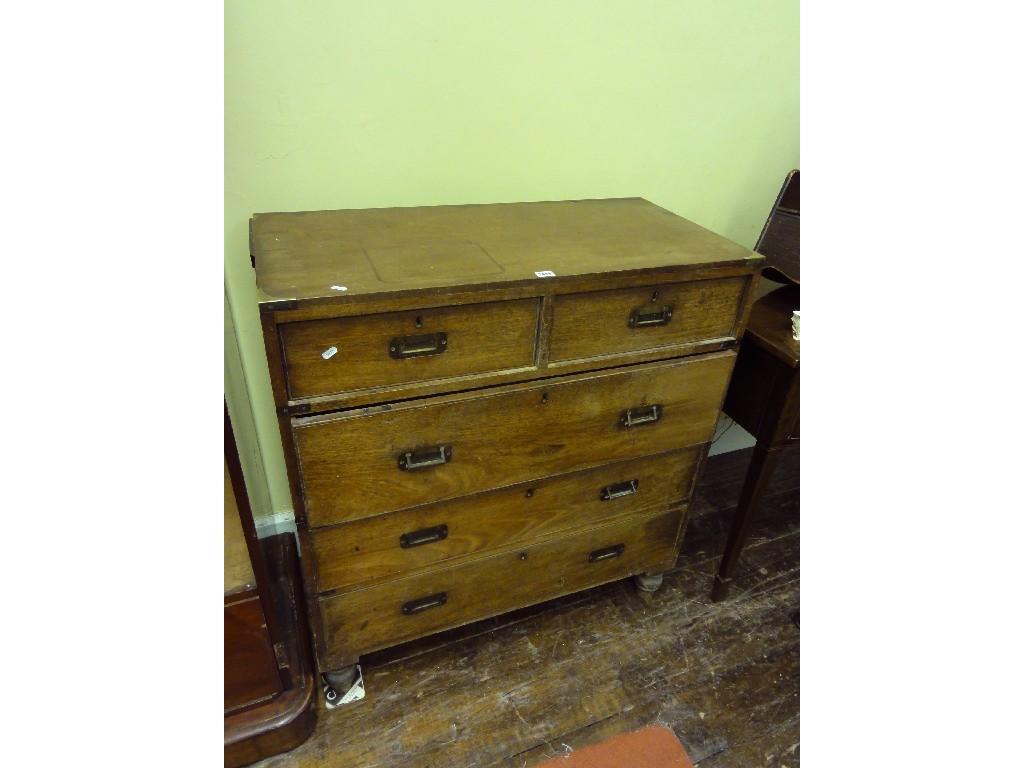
(330, 696)
(342, 678)
(648, 582)
(343, 686)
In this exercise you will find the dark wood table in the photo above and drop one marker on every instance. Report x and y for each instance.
(764, 399)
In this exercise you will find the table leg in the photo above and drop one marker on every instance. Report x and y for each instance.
(761, 466)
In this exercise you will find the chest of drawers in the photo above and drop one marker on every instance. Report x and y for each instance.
(487, 406)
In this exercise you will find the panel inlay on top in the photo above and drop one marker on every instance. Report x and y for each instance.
(303, 254)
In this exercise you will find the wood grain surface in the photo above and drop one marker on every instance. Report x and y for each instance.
(592, 324)
(371, 618)
(349, 462)
(250, 668)
(771, 324)
(369, 550)
(479, 338)
(302, 255)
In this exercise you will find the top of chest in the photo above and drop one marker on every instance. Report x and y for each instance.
(351, 253)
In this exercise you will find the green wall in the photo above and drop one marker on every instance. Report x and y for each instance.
(693, 104)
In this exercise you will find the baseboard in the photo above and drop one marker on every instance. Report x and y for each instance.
(282, 521)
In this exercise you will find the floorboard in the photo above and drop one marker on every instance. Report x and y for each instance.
(522, 688)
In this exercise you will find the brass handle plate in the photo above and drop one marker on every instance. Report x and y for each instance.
(619, 490)
(424, 457)
(642, 317)
(646, 415)
(402, 347)
(607, 553)
(423, 603)
(423, 536)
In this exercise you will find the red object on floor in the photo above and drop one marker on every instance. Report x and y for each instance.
(652, 747)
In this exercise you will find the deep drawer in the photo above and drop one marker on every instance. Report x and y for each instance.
(358, 464)
(633, 319)
(406, 608)
(389, 545)
(325, 357)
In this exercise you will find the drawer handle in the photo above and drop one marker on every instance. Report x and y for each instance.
(646, 415)
(430, 601)
(619, 490)
(402, 347)
(425, 457)
(607, 553)
(424, 536)
(642, 317)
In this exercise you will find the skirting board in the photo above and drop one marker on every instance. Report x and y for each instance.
(282, 521)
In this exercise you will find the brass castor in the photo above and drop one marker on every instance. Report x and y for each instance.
(648, 582)
(343, 685)
(342, 678)
(331, 696)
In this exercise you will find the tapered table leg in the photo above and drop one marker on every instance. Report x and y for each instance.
(761, 466)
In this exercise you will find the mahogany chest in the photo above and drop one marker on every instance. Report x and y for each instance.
(488, 406)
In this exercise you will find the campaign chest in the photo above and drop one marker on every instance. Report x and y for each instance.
(488, 406)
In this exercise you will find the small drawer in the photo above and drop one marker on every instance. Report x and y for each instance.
(402, 609)
(635, 319)
(358, 464)
(324, 357)
(390, 545)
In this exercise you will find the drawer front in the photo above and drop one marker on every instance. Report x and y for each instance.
(402, 609)
(325, 357)
(360, 464)
(389, 545)
(634, 319)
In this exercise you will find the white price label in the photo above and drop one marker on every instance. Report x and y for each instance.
(545, 273)
(328, 353)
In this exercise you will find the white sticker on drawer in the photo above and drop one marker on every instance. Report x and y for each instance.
(328, 353)
(545, 273)
(342, 288)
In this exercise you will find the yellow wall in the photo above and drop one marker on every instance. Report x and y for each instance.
(693, 104)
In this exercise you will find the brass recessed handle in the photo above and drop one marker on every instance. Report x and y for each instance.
(645, 415)
(425, 457)
(423, 536)
(642, 317)
(402, 347)
(423, 603)
(619, 490)
(607, 553)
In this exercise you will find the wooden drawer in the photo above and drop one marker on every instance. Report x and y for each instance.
(351, 463)
(633, 319)
(401, 347)
(393, 612)
(389, 545)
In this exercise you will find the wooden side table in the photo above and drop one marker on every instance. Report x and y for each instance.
(764, 399)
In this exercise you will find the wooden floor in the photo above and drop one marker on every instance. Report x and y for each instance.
(532, 685)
